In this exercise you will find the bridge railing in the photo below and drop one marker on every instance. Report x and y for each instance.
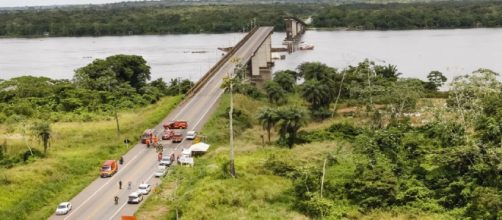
(202, 81)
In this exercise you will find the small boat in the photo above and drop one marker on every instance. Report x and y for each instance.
(306, 47)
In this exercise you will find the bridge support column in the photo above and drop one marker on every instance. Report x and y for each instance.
(261, 63)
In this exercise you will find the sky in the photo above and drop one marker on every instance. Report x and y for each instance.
(21, 3)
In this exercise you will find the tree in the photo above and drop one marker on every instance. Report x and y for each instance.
(268, 117)
(285, 80)
(388, 72)
(114, 70)
(291, 119)
(275, 93)
(43, 132)
(314, 70)
(316, 93)
(436, 80)
(468, 91)
(404, 94)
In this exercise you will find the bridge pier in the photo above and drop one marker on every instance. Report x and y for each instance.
(261, 63)
(295, 28)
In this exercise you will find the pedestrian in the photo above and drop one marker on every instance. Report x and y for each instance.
(129, 185)
(116, 200)
(121, 160)
(120, 184)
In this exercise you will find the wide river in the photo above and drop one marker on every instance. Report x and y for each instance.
(415, 53)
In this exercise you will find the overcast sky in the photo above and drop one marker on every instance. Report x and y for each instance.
(20, 3)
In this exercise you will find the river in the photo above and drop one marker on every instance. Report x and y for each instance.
(415, 53)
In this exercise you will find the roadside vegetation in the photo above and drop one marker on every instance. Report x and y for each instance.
(139, 19)
(377, 146)
(54, 134)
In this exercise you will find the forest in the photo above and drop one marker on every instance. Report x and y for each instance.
(124, 19)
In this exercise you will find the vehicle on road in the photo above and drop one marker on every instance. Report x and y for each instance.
(109, 168)
(144, 188)
(177, 137)
(147, 134)
(166, 161)
(191, 135)
(176, 125)
(168, 134)
(63, 208)
(135, 198)
(161, 171)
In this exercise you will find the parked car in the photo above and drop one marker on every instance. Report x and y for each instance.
(63, 208)
(191, 135)
(161, 171)
(135, 197)
(144, 188)
(166, 161)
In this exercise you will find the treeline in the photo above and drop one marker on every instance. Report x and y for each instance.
(123, 19)
(411, 16)
(98, 89)
(116, 20)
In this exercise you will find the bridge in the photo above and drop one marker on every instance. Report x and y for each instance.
(295, 28)
(96, 201)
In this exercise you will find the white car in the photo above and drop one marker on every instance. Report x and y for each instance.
(166, 161)
(135, 197)
(191, 135)
(144, 188)
(63, 208)
(161, 171)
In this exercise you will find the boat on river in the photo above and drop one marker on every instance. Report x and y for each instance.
(306, 47)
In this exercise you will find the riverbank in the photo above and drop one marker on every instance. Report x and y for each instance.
(126, 20)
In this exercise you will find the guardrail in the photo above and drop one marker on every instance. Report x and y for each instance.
(202, 81)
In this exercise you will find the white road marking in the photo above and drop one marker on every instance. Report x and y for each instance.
(108, 182)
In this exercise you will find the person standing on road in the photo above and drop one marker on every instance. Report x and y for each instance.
(116, 200)
(120, 184)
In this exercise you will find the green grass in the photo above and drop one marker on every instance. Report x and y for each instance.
(32, 190)
(206, 191)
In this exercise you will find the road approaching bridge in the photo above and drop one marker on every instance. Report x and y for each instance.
(96, 201)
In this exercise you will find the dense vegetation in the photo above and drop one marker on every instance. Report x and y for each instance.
(127, 19)
(117, 82)
(387, 151)
(98, 92)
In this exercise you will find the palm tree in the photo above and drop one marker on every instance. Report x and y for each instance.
(316, 93)
(268, 118)
(275, 93)
(314, 70)
(291, 119)
(43, 132)
(286, 80)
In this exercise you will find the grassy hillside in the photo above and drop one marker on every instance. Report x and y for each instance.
(264, 187)
(31, 190)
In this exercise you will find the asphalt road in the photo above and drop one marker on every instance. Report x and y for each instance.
(96, 201)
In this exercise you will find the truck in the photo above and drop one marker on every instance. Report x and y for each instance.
(176, 125)
(109, 168)
(147, 134)
(168, 134)
(177, 137)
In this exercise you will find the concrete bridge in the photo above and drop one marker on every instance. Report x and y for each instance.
(254, 51)
(96, 200)
(295, 28)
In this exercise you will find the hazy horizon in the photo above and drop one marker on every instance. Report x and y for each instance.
(23, 3)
